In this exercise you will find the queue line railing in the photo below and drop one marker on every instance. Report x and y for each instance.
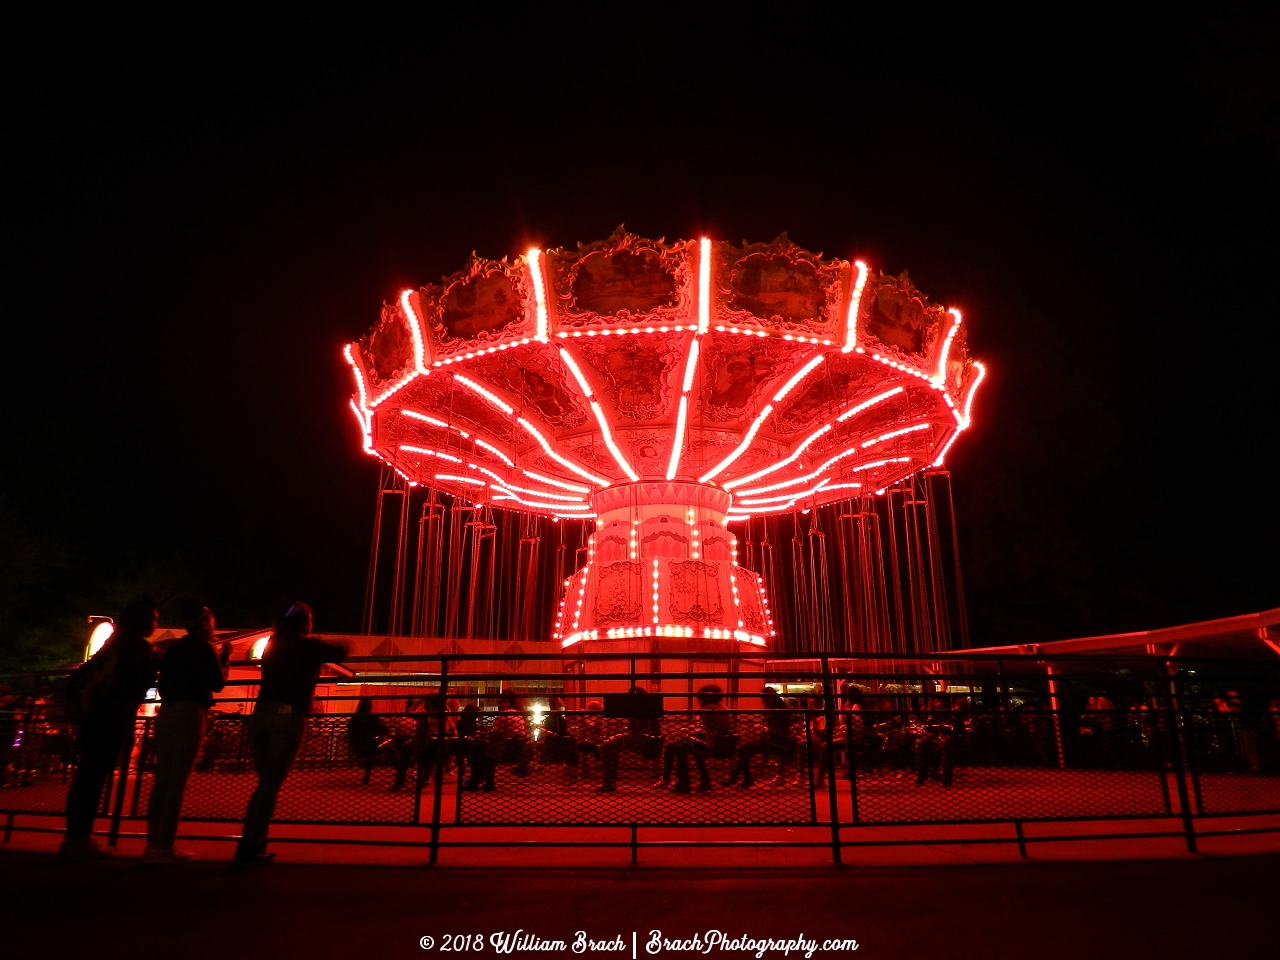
(954, 739)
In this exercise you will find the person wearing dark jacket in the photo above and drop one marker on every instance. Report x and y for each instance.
(771, 738)
(367, 734)
(191, 672)
(290, 668)
(128, 671)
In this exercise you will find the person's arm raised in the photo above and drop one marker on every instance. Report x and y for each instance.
(335, 652)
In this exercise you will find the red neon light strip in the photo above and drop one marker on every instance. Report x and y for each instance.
(678, 443)
(419, 358)
(494, 450)
(596, 410)
(415, 415)
(895, 433)
(799, 375)
(868, 404)
(618, 458)
(968, 401)
(750, 435)
(740, 449)
(508, 487)
(664, 328)
(394, 388)
(534, 259)
(355, 368)
(554, 482)
(794, 498)
(529, 428)
(704, 284)
(471, 481)
(478, 441)
(690, 366)
(542, 441)
(691, 360)
(941, 375)
(430, 453)
(528, 503)
(415, 331)
(851, 323)
(965, 421)
(365, 430)
(493, 398)
(624, 331)
(816, 473)
(506, 345)
(852, 411)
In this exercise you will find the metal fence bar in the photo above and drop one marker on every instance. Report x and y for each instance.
(833, 799)
(147, 727)
(438, 794)
(954, 740)
(121, 785)
(1182, 763)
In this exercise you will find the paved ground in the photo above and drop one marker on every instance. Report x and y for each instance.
(336, 794)
(866, 846)
(1180, 908)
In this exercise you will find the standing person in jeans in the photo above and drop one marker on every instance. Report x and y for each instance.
(290, 668)
(104, 696)
(191, 672)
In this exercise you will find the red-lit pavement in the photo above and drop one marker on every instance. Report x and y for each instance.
(1172, 908)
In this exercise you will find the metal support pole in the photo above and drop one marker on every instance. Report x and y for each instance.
(828, 706)
(1055, 709)
(438, 794)
(137, 773)
(117, 810)
(420, 734)
(371, 580)
(1182, 763)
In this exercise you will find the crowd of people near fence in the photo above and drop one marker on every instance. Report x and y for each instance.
(782, 735)
(713, 746)
(103, 697)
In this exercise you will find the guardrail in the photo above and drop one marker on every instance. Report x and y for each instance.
(955, 739)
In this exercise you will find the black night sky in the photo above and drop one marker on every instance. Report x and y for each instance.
(201, 214)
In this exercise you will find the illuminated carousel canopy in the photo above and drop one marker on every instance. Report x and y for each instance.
(665, 390)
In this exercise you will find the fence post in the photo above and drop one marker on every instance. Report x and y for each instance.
(137, 771)
(22, 728)
(1055, 710)
(122, 783)
(1181, 759)
(420, 732)
(438, 793)
(828, 707)
(808, 761)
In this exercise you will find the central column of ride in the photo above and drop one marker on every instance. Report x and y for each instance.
(661, 575)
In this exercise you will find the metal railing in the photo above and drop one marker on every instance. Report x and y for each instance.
(951, 740)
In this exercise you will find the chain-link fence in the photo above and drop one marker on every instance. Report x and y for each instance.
(793, 742)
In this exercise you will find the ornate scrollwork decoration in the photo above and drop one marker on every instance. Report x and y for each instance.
(485, 302)
(618, 593)
(621, 280)
(695, 592)
(780, 285)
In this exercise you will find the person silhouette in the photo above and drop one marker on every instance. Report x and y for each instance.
(105, 693)
(191, 672)
(290, 668)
